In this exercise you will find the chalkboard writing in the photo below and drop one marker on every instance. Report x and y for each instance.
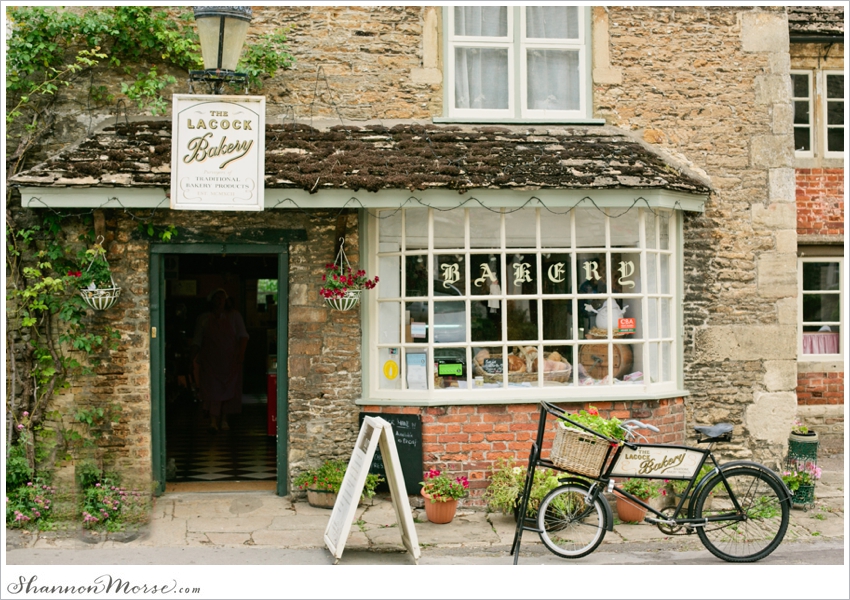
(407, 431)
(492, 366)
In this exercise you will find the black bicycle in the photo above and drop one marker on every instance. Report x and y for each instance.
(739, 509)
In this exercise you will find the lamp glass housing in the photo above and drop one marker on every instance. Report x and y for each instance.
(209, 32)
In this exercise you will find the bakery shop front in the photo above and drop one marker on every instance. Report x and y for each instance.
(515, 264)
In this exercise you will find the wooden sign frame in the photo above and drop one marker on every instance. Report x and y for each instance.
(374, 431)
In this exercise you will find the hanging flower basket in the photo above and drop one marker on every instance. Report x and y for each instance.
(97, 288)
(101, 299)
(349, 300)
(341, 285)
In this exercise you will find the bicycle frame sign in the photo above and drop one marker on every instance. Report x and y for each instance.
(667, 462)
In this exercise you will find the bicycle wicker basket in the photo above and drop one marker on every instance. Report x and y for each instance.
(578, 451)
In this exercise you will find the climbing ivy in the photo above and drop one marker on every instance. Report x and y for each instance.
(82, 55)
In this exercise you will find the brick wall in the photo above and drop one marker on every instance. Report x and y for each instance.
(820, 388)
(469, 440)
(820, 201)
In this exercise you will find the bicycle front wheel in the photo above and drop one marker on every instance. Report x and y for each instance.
(757, 530)
(571, 524)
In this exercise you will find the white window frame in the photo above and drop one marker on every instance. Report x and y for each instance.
(812, 117)
(517, 45)
(373, 393)
(824, 126)
(842, 311)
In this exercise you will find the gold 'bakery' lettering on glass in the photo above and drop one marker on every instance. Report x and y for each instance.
(451, 273)
(522, 273)
(486, 273)
(556, 273)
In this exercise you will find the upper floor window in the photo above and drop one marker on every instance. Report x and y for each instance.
(834, 111)
(818, 99)
(821, 305)
(517, 62)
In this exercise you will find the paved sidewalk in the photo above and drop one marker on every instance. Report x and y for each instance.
(261, 519)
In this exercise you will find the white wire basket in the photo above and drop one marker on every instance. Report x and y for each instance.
(350, 300)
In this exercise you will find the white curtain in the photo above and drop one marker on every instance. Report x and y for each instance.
(481, 74)
(553, 75)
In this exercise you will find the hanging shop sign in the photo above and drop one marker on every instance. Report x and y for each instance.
(218, 152)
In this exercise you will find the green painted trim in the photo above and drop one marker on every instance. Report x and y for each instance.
(282, 373)
(680, 294)
(157, 287)
(253, 236)
(599, 397)
(363, 231)
(157, 374)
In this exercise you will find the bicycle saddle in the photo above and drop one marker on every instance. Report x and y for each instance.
(719, 432)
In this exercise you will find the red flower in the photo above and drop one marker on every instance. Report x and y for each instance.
(591, 410)
(75, 273)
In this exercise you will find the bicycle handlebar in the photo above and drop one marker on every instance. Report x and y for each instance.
(635, 424)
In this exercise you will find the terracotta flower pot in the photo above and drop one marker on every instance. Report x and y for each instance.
(628, 511)
(439, 512)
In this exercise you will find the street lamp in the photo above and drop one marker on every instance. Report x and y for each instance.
(222, 31)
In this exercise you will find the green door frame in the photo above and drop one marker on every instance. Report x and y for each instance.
(157, 291)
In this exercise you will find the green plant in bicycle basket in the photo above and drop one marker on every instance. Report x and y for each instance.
(590, 418)
(642, 488)
(328, 478)
(507, 482)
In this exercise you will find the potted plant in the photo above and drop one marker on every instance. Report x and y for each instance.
(645, 489)
(341, 285)
(507, 483)
(322, 484)
(800, 477)
(441, 495)
(802, 442)
(95, 283)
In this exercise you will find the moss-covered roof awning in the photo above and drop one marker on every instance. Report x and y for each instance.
(378, 157)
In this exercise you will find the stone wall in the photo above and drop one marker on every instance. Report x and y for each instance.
(353, 62)
(324, 361)
(470, 440)
(710, 85)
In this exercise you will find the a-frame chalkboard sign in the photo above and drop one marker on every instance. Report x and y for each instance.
(374, 432)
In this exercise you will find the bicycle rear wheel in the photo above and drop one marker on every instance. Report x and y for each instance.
(571, 525)
(765, 512)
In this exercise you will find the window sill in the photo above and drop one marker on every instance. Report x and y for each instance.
(828, 365)
(452, 400)
(491, 121)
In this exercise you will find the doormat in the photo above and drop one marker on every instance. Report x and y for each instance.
(221, 486)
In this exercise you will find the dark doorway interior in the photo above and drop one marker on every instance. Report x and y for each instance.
(246, 450)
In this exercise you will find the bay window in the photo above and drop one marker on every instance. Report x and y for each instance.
(478, 303)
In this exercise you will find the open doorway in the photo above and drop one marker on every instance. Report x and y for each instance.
(239, 445)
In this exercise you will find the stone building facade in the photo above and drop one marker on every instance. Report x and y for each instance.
(688, 122)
